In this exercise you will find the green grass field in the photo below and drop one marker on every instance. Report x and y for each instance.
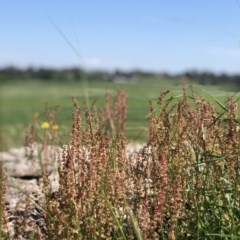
(19, 102)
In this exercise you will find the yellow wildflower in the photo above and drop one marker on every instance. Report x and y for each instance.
(55, 127)
(45, 125)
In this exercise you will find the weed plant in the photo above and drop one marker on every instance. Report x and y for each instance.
(183, 184)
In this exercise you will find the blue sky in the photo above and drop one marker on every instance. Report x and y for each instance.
(156, 35)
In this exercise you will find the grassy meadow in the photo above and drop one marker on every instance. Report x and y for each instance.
(21, 100)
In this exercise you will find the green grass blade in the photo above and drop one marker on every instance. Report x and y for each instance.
(136, 227)
(115, 216)
(228, 236)
(217, 101)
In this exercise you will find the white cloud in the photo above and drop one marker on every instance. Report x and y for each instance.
(10, 57)
(225, 51)
(93, 62)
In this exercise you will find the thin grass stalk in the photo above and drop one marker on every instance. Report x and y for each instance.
(135, 225)
(115, 216)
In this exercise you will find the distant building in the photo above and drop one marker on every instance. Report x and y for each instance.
(122, 77)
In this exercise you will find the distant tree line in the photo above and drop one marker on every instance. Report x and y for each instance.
(208, 78)
(77, 74)
(50, 74)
